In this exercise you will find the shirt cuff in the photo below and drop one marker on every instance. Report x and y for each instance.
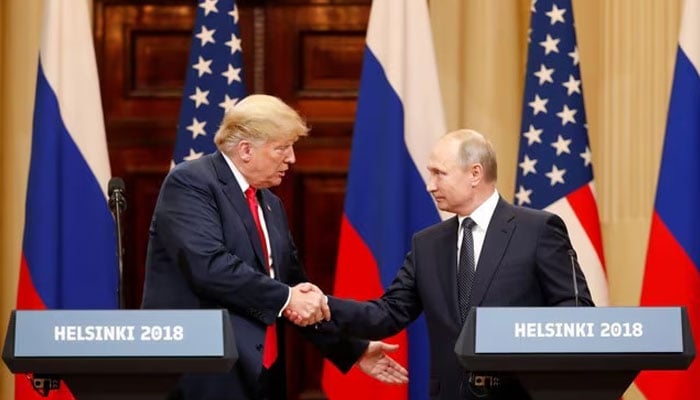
(286, 303)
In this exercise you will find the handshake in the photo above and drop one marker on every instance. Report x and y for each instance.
(307, 305)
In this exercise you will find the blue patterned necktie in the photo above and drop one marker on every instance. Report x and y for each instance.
(466, 272)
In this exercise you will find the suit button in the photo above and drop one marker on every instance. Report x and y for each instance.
(259, 347)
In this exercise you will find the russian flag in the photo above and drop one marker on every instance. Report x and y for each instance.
(672, 277)
(399, 118)
(69, 251)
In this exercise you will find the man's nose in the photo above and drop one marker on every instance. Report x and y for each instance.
(291, 157)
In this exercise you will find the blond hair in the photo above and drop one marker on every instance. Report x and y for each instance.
(258, 118)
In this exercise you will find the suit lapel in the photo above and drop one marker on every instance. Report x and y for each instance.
(445, 248)
(235, 195)
(498, 236)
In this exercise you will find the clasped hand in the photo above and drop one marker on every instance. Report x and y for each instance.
(307, 305)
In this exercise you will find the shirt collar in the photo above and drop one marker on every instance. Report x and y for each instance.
(482, 215)
(242, 182)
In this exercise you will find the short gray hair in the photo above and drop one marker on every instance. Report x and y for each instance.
(475, 148)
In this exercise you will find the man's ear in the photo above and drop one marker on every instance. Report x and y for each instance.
(476, 173)
(244, 149)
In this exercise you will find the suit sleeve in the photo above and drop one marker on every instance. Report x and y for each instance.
(554, 266)
(380, 318)
(189, 225)
(342, 351)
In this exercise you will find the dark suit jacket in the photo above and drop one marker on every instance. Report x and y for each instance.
(204, 252)
(524, 262)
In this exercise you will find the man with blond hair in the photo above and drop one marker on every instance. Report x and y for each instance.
(219, 238)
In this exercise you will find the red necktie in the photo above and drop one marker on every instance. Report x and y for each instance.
(270, 346)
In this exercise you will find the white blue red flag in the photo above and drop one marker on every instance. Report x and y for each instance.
(399, 119)
(214, 81)
(69, 258)
(555, 172)
(672, 276)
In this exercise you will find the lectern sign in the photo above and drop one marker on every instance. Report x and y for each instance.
(119, 333)
(579, 330)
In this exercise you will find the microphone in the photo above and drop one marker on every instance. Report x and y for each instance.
(572, 256)
(117, 203)
(115, 188)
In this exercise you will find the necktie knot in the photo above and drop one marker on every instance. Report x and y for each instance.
(468, 224)
(250, 193)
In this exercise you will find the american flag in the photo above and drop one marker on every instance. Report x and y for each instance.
(214, 81)
(554, 162)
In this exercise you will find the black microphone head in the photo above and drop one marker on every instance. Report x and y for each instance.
(116, 183)
(115, 190)
(572, 253)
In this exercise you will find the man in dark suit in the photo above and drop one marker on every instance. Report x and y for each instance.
(219, 239)
(490, 254)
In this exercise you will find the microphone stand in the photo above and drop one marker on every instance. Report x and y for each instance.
(572, 256)
(120, 255)
(117, 203)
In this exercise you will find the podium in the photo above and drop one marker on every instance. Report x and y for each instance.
(118, 354)
(575, 353)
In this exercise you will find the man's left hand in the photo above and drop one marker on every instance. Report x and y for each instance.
(377, 364)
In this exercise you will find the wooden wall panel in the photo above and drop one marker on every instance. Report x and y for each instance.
(307, 52)
(317, 41)
(331, 63)
(140, 99)
(155, 62)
